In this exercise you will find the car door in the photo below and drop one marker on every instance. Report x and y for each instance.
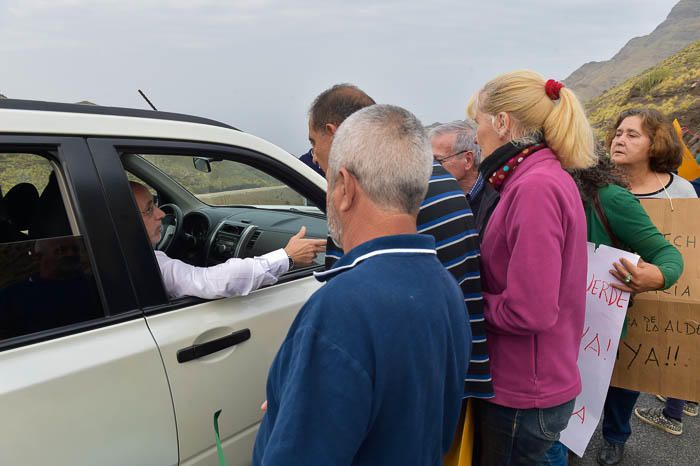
(82, 380)
(216, 353)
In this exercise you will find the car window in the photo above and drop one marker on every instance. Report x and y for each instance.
(228, 183)
(46, 279)
(243, 207)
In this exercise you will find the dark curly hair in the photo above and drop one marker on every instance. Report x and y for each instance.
(590, 180)
(665, 151)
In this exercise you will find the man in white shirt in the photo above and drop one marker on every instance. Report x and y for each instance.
(235, 277)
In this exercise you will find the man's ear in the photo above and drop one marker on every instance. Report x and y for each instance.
(469, 159)
(347, 185)
(331, 128)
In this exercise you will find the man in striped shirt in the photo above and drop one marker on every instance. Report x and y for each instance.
(445, 214)
(462, 158)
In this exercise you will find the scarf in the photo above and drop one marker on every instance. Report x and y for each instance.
(498, 166)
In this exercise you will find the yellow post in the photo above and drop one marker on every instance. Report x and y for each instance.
(462, 448)
(689, 169)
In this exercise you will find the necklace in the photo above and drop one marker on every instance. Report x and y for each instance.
(501, 175)
(664, 188)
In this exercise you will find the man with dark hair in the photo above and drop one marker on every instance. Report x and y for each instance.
(371, 370)
(444, 214)
(308, 159)
(327, 112)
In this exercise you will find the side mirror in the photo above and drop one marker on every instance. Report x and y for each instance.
(202, 164)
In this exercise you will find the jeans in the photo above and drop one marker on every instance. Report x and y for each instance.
(509, 436)
(674, 408)
(557, 455)
(617, 412)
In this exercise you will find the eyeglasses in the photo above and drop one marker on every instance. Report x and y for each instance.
(439, 159)
(150, 209)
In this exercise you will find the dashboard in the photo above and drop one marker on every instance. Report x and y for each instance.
(213, 235)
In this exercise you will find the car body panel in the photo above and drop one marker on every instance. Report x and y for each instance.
(233, 379)
(113, 392)
(94, 398)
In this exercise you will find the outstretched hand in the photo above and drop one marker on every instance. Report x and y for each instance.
(302, 250)
(640, 278)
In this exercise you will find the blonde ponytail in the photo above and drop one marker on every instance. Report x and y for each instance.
(562, 122)
(568, 133)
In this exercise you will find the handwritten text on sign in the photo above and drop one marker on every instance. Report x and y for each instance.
(605, 314)
(661, 352)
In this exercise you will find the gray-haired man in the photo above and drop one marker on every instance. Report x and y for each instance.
(372, 370)
(454, 148)
(443, 215)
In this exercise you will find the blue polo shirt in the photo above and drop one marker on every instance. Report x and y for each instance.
(372, 370)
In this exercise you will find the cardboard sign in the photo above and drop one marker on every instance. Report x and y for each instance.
(661, 353)
(605, 314)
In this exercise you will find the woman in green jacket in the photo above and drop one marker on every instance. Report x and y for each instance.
(630, 228)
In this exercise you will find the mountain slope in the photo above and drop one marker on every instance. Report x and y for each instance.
(681, 27)
(672, 87)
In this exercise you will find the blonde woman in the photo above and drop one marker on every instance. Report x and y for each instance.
(533, 262)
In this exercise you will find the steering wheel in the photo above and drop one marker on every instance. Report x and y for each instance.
(171, 226)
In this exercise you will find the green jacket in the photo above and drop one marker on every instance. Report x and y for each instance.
(634, 230)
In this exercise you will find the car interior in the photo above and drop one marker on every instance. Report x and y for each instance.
(44, 265)
(202, 234)
(25, 215)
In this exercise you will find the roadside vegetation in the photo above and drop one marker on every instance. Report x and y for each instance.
(672, 87)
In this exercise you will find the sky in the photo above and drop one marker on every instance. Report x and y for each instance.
(258, 64)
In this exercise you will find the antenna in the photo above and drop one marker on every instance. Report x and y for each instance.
(148, 101)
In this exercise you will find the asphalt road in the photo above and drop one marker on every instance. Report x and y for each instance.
(649, 446)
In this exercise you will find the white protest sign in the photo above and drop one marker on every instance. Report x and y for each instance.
(605, 314)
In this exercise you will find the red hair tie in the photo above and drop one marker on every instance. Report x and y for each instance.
(552, 88)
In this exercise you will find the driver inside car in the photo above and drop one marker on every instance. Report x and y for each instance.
(235, 277)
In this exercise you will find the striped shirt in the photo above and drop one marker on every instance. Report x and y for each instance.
(445, 214)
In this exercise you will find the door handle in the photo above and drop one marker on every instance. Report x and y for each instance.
(199, 351)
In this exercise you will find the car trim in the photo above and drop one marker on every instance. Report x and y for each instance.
(68, 330)
(131, 234)
(201, 350)
(38, 105)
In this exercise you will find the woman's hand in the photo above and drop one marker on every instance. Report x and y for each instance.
(637, 279)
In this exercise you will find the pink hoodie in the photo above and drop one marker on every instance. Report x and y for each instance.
(533, 259)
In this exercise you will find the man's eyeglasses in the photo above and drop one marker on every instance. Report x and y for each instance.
(150, 209)
(440, 159)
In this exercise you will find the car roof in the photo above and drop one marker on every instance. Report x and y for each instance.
(42, 118)
(92, 109)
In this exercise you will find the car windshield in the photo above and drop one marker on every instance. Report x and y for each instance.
(228, 182)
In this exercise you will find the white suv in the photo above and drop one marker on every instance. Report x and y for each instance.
(97, 366)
